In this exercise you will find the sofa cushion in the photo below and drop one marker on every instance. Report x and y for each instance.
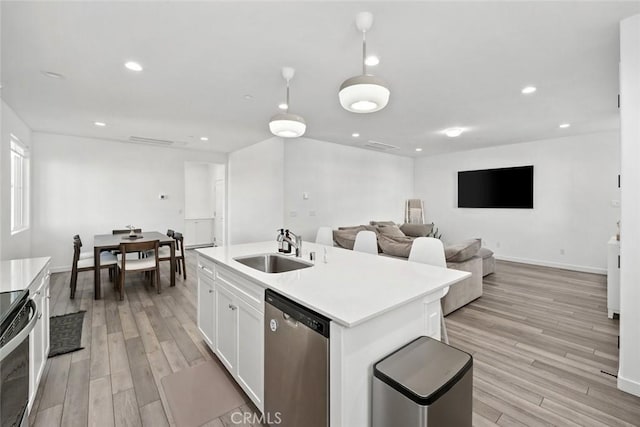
(485, 253)
(382, 223)
(399, 246)
(416, 230)
(346, 238)
(391, 231)
(462, 251)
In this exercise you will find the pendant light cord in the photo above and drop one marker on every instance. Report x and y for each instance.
(287, 110)
(364, 53)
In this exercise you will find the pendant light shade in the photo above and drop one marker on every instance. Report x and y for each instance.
(364, 93)
(287, 125)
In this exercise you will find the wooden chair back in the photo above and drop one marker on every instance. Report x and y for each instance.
(179, 241)
(170, 232)
(142, 247)
(77, 244)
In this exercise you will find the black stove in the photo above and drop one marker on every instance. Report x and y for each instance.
(9, 302)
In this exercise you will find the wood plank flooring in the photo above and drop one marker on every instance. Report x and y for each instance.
(130, 346)
(539, 336)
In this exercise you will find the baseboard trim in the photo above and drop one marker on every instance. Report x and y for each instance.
(580, 268)
(62, 269)
(628, 386)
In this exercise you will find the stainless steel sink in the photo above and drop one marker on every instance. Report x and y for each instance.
(273, 263)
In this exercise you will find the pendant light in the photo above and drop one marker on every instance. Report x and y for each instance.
(364, 93)
(287, 125)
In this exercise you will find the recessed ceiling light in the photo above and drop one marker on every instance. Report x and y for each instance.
(248, 97)
(372, 60)
(355, 134)
(100, 124)
(453, 132)
(529, 90)
(565, 125)
(133, 66)
(418, 149)
(52, 75)
(204, 138)
(283, 106)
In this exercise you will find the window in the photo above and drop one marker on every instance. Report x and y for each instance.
(19, 186)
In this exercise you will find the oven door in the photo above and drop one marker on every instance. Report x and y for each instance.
(14, 366)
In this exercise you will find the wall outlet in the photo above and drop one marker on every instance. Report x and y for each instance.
(305, 196)
(561, 251)
(497, 244)
(615, 203)
(293, 214)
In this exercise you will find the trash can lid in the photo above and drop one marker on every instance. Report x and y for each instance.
(424, 369)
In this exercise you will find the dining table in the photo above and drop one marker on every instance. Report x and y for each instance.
(112, 242)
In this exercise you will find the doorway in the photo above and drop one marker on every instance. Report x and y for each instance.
(204, 204)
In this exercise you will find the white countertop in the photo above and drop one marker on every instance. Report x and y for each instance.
(351, 288)
(17, 274)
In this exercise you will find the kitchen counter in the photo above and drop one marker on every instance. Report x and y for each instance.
(351, 288)
(18, 274)
(376, 305)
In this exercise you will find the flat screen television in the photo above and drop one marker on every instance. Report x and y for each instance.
(510, 188)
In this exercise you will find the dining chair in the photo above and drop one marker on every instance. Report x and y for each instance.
(150, 263)
(83, 254)
(165, 253)
(324, 236)
(366, 242)
(429, 250)
(107, 260)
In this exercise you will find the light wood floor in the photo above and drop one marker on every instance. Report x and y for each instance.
(540, 338)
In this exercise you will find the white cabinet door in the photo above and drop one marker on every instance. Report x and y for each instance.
(226, 327)
(206, 309)
(250, 367)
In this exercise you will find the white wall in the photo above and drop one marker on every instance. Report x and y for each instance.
(345, 185)
(90, 186)
(17, 245)
(629, 373)
(199, 190)
(255, 198)
(575, 181)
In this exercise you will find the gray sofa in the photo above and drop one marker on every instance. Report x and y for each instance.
(464, 256)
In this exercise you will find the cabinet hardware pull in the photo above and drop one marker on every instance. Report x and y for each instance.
(233, 307)
(37, 292)
(210, 291)
(40, 316)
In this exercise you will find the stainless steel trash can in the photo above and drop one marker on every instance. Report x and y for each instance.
(424, 383)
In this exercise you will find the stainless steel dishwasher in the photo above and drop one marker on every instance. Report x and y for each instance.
(296, 364)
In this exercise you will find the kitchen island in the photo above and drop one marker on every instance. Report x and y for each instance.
(376, 304)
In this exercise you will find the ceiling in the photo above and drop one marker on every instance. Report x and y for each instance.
(447, 63)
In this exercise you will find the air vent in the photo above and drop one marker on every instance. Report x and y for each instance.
(380, 146)
(143, 140)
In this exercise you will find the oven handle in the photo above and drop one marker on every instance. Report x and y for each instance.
(22, 335)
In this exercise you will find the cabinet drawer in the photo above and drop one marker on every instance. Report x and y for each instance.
(206, 267)
(248, 291)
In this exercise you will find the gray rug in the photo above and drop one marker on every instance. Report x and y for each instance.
(65, 333)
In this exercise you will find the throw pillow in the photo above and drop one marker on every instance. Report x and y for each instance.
(382, 223)
(485, 253)
(462, 251)
(395, 246)
(391, 231)
(416, 230)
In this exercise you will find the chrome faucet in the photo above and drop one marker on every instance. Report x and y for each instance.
(296, 243)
